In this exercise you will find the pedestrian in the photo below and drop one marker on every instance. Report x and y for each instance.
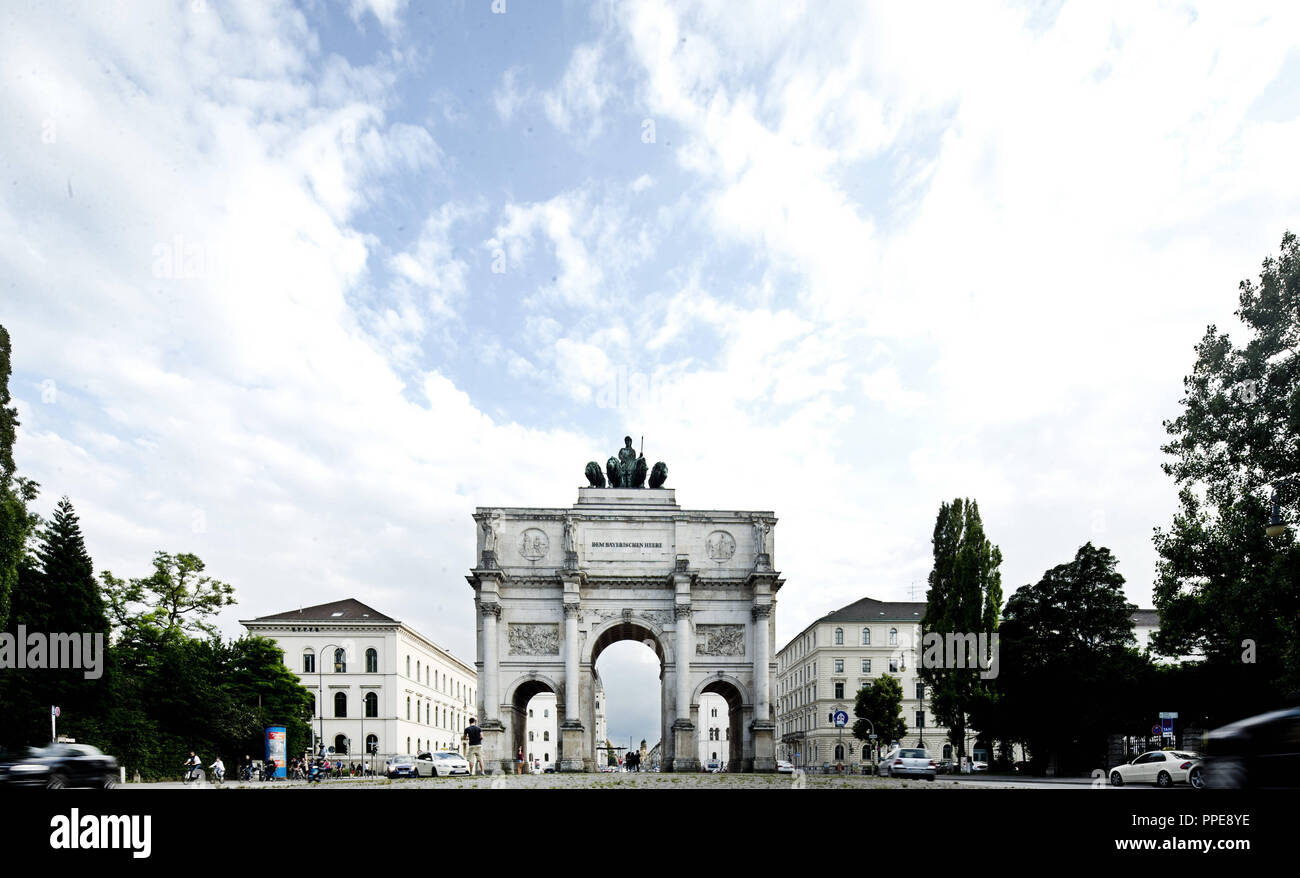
(519, 760)
(474, 738)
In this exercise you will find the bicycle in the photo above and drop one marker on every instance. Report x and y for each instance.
(193, 773)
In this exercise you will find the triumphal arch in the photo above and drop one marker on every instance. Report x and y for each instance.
(555, 587)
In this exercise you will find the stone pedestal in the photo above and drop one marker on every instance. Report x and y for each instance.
(495, 757)
(764, 735)
(571, 741)
(685, 758)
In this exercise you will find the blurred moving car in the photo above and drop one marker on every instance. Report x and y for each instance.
(978, 765)
(909, 762)
(1163, 768)
(1259, 752)
(58, 766)
(783, 767)
(440, 763)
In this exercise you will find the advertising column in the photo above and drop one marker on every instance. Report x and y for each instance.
(277, 749)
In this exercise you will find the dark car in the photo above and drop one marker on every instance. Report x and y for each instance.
(1256, 753)
(58, 766)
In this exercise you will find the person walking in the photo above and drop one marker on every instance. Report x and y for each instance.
(474, 738)
(519, 760)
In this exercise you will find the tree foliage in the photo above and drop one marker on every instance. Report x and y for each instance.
(17, 524)
(965, 596)
(881, 702)
(175, 600)
(1069, 674)
(1220, 580)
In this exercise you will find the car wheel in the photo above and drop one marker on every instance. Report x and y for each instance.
(108, 782)
(1164, 780)
(1196, 779)
(1116, 779)
(56, 782)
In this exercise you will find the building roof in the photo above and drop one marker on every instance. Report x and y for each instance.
(872, 610)
(349, 610)
(1146, 618)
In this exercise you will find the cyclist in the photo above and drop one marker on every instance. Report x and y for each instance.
(193, 766)
(218, 770)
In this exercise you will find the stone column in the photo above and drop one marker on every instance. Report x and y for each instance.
(685, 746)
(490, 723)
(764, 730)
(571, 729)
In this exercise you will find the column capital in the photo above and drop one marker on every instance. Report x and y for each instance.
(761, 611)
(490, 609)
(681, 611)
(571, 610)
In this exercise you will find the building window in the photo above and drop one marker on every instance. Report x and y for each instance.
(893, 666)
(839, 752)
(893, 637)
(546, 736)
(839, 690)
(372, 744)
(309, 662)
(340, 661)
(372, 705)
(839, 666)
(866, 636)
(920, 690)
(530, 736)
(408, 707)
(340, 704)
(866, 752)
(341, 744)
(715, 712)
(408, 745)
(866, 666)
(408, 666)
(839, 636)
(530, 713)
(372, 661)
(546, 711)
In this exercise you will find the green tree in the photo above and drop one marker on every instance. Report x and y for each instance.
(965, 596)
(1220, 581)
(1068, 672)
(880, 702)
(17, 524)
(175, 600)
(57, 593)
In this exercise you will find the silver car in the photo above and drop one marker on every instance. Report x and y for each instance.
(909, 762)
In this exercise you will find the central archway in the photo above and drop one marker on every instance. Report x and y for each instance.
(628, 628)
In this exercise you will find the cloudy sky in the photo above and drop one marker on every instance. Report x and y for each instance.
(295, 288)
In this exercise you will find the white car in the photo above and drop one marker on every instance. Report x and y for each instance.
(909, 762)
(783, 767)
(1163, 768)
(441, 763)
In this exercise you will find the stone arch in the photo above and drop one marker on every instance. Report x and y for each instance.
(521, 691)
(738, 704)
(621, 628)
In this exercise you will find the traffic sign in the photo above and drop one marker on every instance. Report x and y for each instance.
(841, 718)
(1166, 714)
(1155, 730)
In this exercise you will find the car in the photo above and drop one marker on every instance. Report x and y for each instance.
(978, 765)
(783, 767)
(1164, 768)
(1258, 752)
(401, 766)
(59, 765)
(440, 763)
(713, 767)
(945, 766)
(909, 762)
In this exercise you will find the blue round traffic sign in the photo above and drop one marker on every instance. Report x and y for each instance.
(841, 718)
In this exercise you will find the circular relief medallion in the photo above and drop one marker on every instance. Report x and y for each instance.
(533, 544)
(720, 545)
